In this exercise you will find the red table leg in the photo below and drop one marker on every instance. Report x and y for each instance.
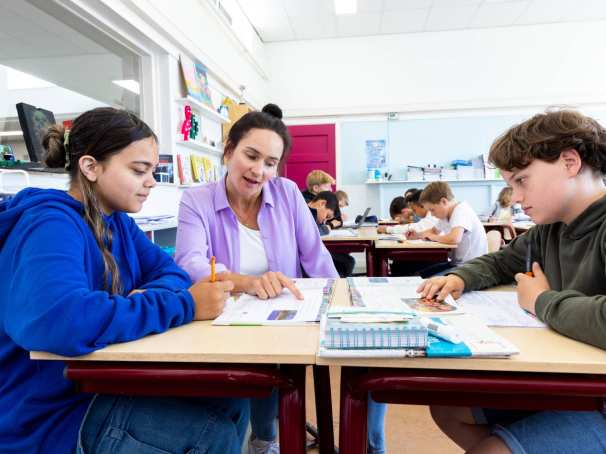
(324, 409)
(292, 410)
(353, 425)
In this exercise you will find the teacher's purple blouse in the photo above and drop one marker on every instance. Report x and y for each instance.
(208, 226)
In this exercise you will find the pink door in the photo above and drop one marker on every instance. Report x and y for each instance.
(313, 148)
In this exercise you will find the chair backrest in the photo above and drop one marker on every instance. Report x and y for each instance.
(495, 240)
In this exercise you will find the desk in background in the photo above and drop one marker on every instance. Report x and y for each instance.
(363, 241)
(428, 251)
(551, 372)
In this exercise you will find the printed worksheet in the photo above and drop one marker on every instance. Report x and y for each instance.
(284, 309)
(498, 309)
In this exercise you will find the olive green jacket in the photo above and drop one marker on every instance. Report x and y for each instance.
(573, 257)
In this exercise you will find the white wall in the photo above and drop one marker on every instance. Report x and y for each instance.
(517, 66)
(514, 71)
(234, 55)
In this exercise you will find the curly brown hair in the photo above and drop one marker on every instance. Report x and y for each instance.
(546, 135)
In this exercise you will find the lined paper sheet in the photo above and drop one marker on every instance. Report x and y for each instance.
(498, 309)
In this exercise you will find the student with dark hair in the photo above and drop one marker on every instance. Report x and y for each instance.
(78, 275)
(258, 226)
(561, 154)
(323, 207)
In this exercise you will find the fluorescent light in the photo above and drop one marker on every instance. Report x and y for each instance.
(128, 84)
(346, 7)
(17, 80)
(11, 133)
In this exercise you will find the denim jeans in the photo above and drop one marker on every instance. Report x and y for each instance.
(160, 425)
(263, 415)
(376, 426)
(524, 432)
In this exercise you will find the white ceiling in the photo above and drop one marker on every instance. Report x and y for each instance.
(287, 20)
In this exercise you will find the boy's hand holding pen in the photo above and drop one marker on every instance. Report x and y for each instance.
(531, 283)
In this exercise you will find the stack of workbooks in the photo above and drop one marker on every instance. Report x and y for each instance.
(350, 331)
(389, 319)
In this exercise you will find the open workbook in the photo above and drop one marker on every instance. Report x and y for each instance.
(398, 293)
(284, 309)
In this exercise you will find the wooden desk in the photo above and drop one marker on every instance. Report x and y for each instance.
(551, 372)
(362, 242)
(429, 251)
(203, 360)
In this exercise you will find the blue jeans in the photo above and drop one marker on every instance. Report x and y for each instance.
(264, 411)
(376, 426)
(160, 425)
(263, 414)
(525, 432)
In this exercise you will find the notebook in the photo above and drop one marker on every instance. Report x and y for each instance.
(346, 330)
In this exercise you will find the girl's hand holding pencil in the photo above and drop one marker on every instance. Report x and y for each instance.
(210, 296)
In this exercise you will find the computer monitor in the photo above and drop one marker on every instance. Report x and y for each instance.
(34, 122)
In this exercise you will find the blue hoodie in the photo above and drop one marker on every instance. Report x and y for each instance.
(52, 298)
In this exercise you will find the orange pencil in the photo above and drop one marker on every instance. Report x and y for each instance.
(213, 275)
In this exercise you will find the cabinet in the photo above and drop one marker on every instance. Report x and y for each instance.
(236, 111)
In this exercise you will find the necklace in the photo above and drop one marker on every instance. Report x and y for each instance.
(248, 218)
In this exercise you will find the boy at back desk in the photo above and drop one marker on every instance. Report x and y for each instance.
(555, 163)
(458, 222)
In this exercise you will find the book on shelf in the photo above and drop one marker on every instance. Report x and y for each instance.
(164, 172)
(195, 80)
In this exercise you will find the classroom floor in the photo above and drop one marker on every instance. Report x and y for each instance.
(408, 428)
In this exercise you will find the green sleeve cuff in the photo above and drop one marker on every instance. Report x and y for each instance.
(542, 303)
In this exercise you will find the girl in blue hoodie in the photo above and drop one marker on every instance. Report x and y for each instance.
(78, 275)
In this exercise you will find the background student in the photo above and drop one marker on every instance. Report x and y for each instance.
(337, 220)
(399, 210)
(322, 208)
(562, 154)
(317, 181)
(426, 220)
(78, 275)
(458, 221)
(504, 210)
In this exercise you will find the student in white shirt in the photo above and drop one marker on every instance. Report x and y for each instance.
(426, 220)
(458, 221)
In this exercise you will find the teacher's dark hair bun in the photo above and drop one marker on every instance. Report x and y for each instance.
(273, 110)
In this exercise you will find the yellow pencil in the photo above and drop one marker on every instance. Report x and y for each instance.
(213, 275)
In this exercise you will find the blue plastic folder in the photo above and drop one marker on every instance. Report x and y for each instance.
(439, 348)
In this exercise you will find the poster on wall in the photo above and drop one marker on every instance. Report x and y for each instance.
(376, 154)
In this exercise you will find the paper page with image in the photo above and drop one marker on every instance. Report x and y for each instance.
(285, 309)
(398, 293)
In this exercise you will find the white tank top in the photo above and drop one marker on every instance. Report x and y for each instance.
(253, 259)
